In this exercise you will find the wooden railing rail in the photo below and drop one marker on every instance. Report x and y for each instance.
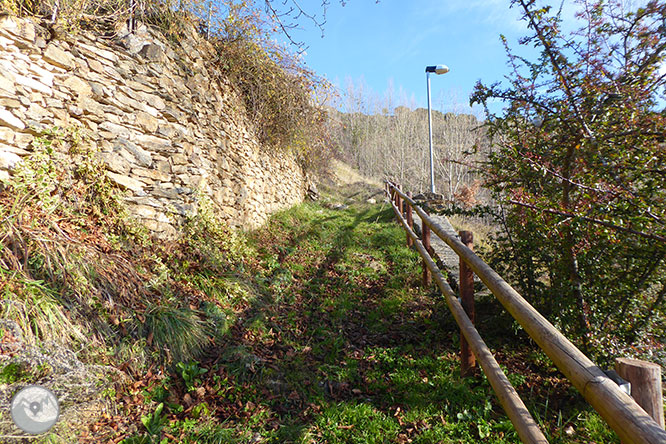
(618, 409)
(527, 428)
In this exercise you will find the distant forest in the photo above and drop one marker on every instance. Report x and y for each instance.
(388, 139)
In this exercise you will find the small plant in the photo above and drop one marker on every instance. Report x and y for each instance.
(12, 373)
(38, 312)
(207, 238)
(160, 391)
(190, 373)
(154, 422)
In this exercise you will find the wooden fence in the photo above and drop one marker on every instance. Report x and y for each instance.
(619, 410)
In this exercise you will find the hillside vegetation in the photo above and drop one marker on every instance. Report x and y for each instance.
(314, 328)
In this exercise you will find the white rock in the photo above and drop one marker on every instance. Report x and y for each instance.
(10, 120)
(9, 161)
(32, 84)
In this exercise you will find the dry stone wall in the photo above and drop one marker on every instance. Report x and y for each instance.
(167, 126)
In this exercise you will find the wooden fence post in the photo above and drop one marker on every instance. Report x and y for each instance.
(399, 203)
(467, 359)
(410, 221)
(645, 379)
(425, 234)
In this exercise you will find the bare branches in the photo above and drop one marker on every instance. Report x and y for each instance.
(556, 62)
(590, 219)
(291, 17)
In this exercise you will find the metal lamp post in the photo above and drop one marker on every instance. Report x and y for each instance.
(438, 69)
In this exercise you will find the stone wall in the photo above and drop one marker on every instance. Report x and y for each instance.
(165, 122)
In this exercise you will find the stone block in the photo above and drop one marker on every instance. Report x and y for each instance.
(6, 135)
(57, 57)
(116, 130)
(179, 159)
(78, 86)
(9, 161)
(93, 127)
(97, 90)
(125, 182)
(10, 103)
(102, 54)
(173, 115)
(23, 29)
(59, 114)
(36, 97)
(183, 209)
(132, 42)
(44, 76)
(151, 174)
(74, 110)
(143, 211)
(96, 66)
(7, 84)
(163, 166)
(38, 112)
(115, 163)
(16, 150)
(127, 101)
(90, 106)
(7, 44)
(137, 86)
(172, 131)
(32, 84)
(152, 143)
(142, 156)
(153, 53)
(146, 121)
(154, 101)
(163, 191)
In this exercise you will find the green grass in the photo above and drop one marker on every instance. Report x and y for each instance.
(342, 344)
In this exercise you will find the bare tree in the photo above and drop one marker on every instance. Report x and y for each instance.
(388, 138)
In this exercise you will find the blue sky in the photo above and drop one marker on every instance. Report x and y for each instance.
(392, 41)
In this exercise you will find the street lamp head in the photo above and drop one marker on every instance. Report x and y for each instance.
(438, 69)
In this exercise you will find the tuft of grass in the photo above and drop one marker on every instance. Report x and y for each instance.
(210, 433)
(178, 333)
(37, 310)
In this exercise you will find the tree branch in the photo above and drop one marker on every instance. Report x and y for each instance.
(590, 219)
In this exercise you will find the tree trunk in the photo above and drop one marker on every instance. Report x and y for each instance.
(570, 258)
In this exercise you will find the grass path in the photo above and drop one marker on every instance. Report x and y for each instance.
(342, 344)
(354, 349)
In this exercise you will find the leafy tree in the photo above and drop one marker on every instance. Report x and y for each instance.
(579, 163)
